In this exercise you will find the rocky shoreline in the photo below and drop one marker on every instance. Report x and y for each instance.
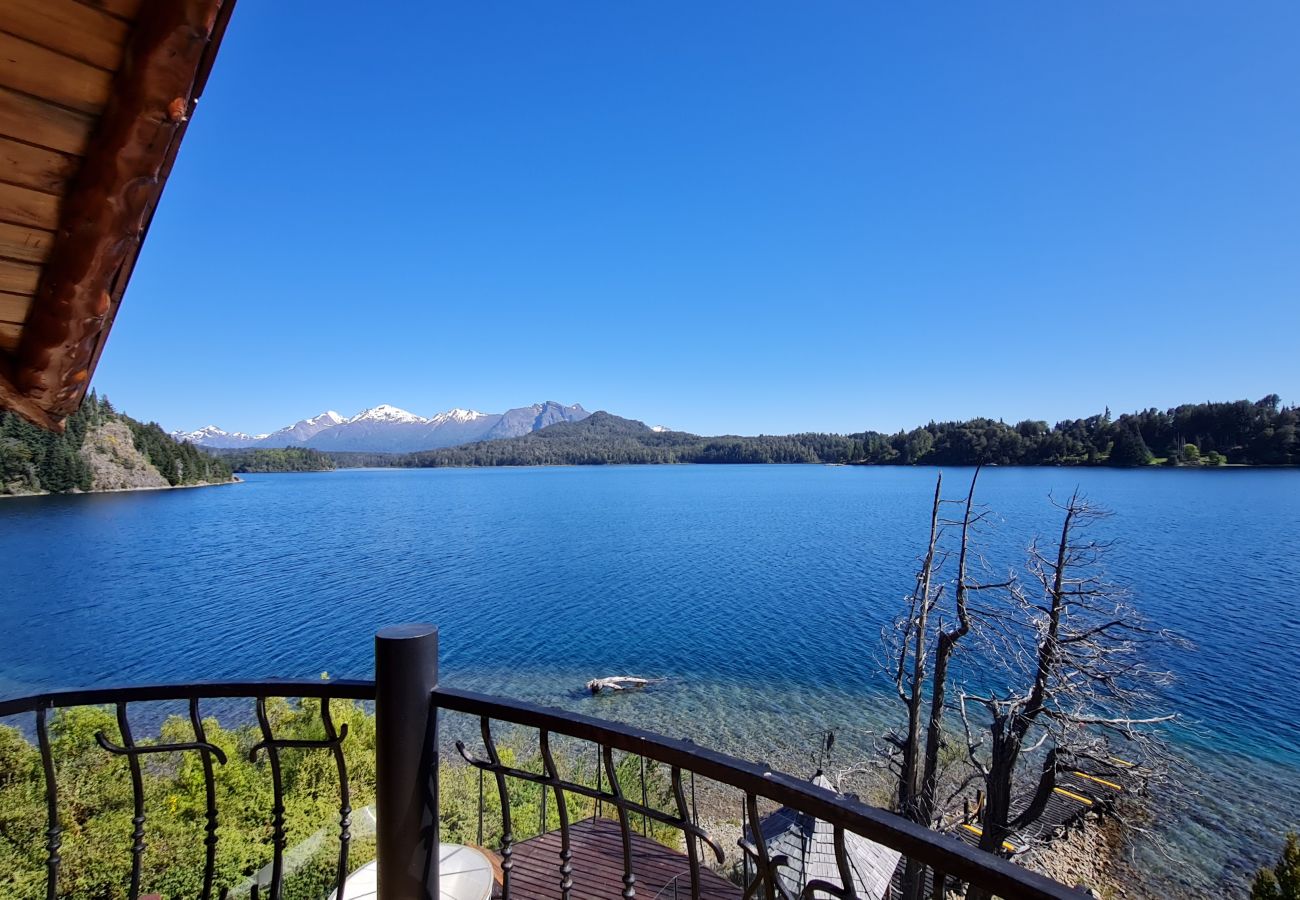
(234, 479)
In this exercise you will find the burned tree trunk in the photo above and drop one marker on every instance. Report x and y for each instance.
(947, 643)
(1081, 680)
(924, 627)
(915, 635)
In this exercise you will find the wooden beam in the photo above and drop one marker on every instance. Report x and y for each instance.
(16, 400)
(106, 209)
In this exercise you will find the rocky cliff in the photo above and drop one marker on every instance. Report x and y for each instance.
(114, 462)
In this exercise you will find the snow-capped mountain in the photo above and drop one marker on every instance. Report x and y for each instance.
(386, 413)
(212, 436)
(388, 429)
(458, 415)
(298, 432)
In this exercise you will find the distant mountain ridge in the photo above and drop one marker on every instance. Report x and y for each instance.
(1241, 432)
(388, 429)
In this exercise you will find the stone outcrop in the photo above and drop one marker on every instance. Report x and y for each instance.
(115, 463)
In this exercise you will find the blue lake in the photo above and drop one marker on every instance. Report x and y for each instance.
(759, 592)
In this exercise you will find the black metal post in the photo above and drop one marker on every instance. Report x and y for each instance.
(744, 856)
(645, 801)
(406, 762)
(480, 807)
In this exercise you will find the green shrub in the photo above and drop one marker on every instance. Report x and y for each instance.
(96, 804)
(317, 878)
(1282, 882)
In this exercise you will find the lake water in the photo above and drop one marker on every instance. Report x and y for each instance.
(759, 592)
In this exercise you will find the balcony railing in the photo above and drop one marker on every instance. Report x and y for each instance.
(408, 701)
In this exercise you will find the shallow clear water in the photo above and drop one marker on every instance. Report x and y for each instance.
(759, 592)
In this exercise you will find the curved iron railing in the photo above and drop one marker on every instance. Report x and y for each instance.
(40, 706)
(950, 860)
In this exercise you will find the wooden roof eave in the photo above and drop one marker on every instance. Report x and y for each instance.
(109, 205)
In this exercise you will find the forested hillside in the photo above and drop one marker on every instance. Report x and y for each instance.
(1241, 432)
(1204, 434)
(286, 459)
(93, 452)
(607, 439)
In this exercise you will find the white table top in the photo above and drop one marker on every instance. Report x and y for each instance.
(463, 874)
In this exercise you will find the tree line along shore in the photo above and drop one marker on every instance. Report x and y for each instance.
(90, 455)
(1241, 433)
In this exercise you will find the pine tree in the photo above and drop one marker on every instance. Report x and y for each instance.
(1129, 448)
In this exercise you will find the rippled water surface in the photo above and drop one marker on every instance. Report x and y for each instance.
(758, 592)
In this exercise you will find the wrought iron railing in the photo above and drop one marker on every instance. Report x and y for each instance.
(952, 861)
(408, 701)
(270, 746)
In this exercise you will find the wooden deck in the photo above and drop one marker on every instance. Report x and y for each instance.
(598, 867)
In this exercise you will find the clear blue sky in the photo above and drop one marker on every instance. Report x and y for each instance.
(727, 217)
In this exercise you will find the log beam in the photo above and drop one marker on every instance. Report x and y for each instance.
(111, 201)
(14, 399)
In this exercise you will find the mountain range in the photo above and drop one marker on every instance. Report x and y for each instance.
(387, 429)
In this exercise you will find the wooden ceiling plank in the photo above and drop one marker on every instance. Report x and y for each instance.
(9, 335)
(51, 76)
(24, 243)
(68, 27)
(123, 9)
(37, 168)
(17, 277)
(24, 206)
(13, 308)
(38, 122)
(105, 211)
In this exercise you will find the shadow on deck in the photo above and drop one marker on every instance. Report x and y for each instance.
(598, 867)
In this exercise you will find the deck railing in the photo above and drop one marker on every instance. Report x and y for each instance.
(408, 702)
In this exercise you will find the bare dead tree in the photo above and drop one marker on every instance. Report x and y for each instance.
(964, 587)
(907, 645)
(920, 646)
(1071, 650)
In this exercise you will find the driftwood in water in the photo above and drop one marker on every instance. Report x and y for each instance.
(619, 683)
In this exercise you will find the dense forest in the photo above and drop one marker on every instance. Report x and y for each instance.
(1241, 432)
(1203, 434)
(284, 459)
(607, 439)
(33, 460)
